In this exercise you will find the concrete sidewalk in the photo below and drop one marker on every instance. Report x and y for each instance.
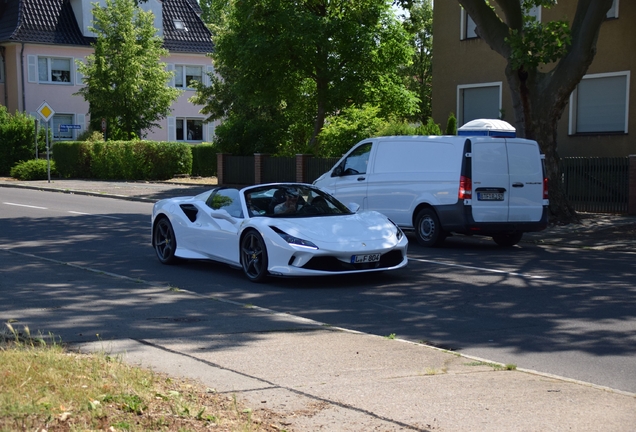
(315, 376)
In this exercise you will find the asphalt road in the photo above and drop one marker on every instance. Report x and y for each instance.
(563, 311)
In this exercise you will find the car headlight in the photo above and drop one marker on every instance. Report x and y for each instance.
(294, 240)
(399, 233)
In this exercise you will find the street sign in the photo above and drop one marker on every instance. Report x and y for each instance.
(103, 124)
(46, 111)
(66, 127)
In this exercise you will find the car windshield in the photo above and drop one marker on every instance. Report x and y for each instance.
(292, 200)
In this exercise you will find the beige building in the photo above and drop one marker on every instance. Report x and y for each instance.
(469, 80)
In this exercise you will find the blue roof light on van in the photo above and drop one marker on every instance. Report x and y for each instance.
(488, 127)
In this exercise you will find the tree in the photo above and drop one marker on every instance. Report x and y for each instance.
(419, 24)
(285, 65)
(542, 59)
(125, 78)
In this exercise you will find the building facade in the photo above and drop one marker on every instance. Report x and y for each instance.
(40, 41)
(469, 80)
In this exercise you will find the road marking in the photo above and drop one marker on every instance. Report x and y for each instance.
(24, 205)
(479, 268)
(90, 214)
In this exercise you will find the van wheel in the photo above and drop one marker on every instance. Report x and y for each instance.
(507, 240)
(428, 230)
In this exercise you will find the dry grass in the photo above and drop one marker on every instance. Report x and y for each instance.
(45, 387)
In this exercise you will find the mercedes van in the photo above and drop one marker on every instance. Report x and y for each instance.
(484, 181)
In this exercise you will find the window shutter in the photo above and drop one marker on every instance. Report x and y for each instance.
(33, 68)
(210, 131)
(81, 120)
(79, 77)
(172, 129)
(171, 69)
(209, 69)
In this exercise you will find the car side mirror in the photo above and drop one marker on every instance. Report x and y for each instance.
(354, 207)
(337, 171)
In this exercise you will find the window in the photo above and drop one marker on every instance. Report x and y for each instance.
(226, 199)
(468, 26)
(356, 162)
(185, 74)
(62, 119)
(476, 101)
(56, 70)
(613, 12)
(189, 129)
(599, 104)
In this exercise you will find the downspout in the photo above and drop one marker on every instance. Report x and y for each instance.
(4, 74)
(22, 78)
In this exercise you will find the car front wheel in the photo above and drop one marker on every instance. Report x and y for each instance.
(507, 240)
(254, 257)
(165, 241)
(428, 230)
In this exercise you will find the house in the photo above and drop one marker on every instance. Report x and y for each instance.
(602, 110)
(41, 39)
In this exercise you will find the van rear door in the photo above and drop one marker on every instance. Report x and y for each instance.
(491, 182)
(526, 181)
(507, 180)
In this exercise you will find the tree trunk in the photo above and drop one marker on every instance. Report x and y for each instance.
(537, 119)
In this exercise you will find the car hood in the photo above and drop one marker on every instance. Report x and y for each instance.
(364, 226)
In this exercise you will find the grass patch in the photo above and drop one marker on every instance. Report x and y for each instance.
(45, 386)
(391, 336)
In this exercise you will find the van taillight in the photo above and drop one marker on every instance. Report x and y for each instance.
(545, 188)
(465, 188)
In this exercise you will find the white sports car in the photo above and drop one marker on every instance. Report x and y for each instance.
(280, 229)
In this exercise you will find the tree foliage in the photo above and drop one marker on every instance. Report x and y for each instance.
(419, 25)
(17, 136)
(126, 82)
(285, 65)
(545, 62)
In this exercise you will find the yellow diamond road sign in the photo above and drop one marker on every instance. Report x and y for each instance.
(46, 111)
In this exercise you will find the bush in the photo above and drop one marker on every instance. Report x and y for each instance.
(91, 136)
(140, 160)
(34, 169)
(72, 158)
(451, 125)
(204, 160)
(17, 138)
(350, 126)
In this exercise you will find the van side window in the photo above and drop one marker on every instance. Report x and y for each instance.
(356, 162)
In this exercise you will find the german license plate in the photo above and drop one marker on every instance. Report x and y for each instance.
(490, 196)
(358, 259)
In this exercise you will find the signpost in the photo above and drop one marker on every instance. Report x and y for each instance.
(46, 112)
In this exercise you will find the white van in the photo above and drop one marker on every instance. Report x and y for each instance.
(482, 182)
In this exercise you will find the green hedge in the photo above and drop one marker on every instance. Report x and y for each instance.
(122, 160)
(204, 160)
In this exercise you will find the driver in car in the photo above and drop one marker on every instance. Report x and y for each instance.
(290, 205)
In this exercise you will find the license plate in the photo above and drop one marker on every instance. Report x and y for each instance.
(357, 259)
(490, 196)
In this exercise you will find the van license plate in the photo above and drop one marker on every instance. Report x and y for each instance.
(358, 259)
(490, 196)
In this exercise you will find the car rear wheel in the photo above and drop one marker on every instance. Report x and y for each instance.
(165, 241)
(507, 240)
(428, 230)
(254, 256)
